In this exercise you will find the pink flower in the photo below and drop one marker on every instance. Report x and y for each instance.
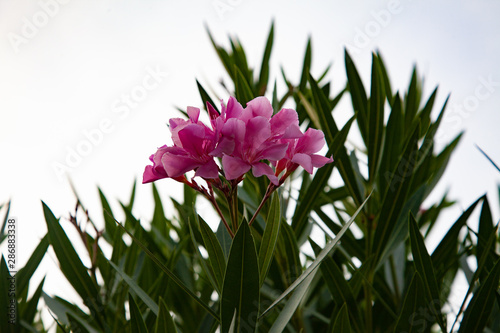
(193, 143)
(302, 151)
(250, 136)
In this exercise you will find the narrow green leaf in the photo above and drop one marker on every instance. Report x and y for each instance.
(306, 67)
(215, 254)
(170, 274)
(264, 67)
(413, 305)
(324, 253)
(61, 308)
(486, 229)
(423, 265)
(76, 324)
(480, 307)
(386, 79)
(270, 237)
(243, 91)
(224, 239)
(393, 143)
(110, 226)
(412, 99)
(338, 286)
(137, 289)
(358, 95)
(447, 249)
(209, 272)
(205, 97)
(375, 118)
(24, 275)
(342, 323)
(30, 310)
(291, 305)
(241, 283)
(137, 324)
(395, 196)
(71, 265)
(164, 322)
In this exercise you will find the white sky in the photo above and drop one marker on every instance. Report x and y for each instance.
(64, 70)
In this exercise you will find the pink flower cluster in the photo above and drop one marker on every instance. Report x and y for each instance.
(242, 139)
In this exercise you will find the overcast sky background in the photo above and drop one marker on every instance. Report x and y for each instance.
(66, 68)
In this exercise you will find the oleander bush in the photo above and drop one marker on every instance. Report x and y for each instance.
(338, 249)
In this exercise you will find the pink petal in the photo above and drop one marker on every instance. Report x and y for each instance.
(258, 130)
(193, 113)
(208, 170)
(286, 122)
(319, 161)
(304, 160)
(150, 175)
(260, 169)
(260, 106)
(312, 141)
(274, 152)
(191, 138)
(234, 108)
(225, 146)
(177, 165)
(234, 167)
(212, 112)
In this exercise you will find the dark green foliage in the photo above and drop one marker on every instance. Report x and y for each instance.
(173, 273)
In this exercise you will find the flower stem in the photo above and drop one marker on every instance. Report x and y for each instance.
(211, 197)
(269, 191)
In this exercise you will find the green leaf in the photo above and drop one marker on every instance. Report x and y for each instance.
(412, 99)
(338, 286)
(137, 289)
(30, 310)
(24, 275)
(243, 91)
(395, 196)
(486, 229)
(76, 324)
(241, 283)
(324, 253)
(358, 95)
(215, 254)
(342, 324)
(447, 249)
(170, 274)
(136, 320)
(423, 265)
(71, 265)
(264, 68)
(306, 67)
(109, 223)
(413, 305)
(480, 307)
(224, 239)
(205, 97)
(291, 305)
(375, 118)
(164, 322)
(270, 237)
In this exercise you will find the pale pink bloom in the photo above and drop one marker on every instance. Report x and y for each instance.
(302, 151)
(250, 137)
(193, 143)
